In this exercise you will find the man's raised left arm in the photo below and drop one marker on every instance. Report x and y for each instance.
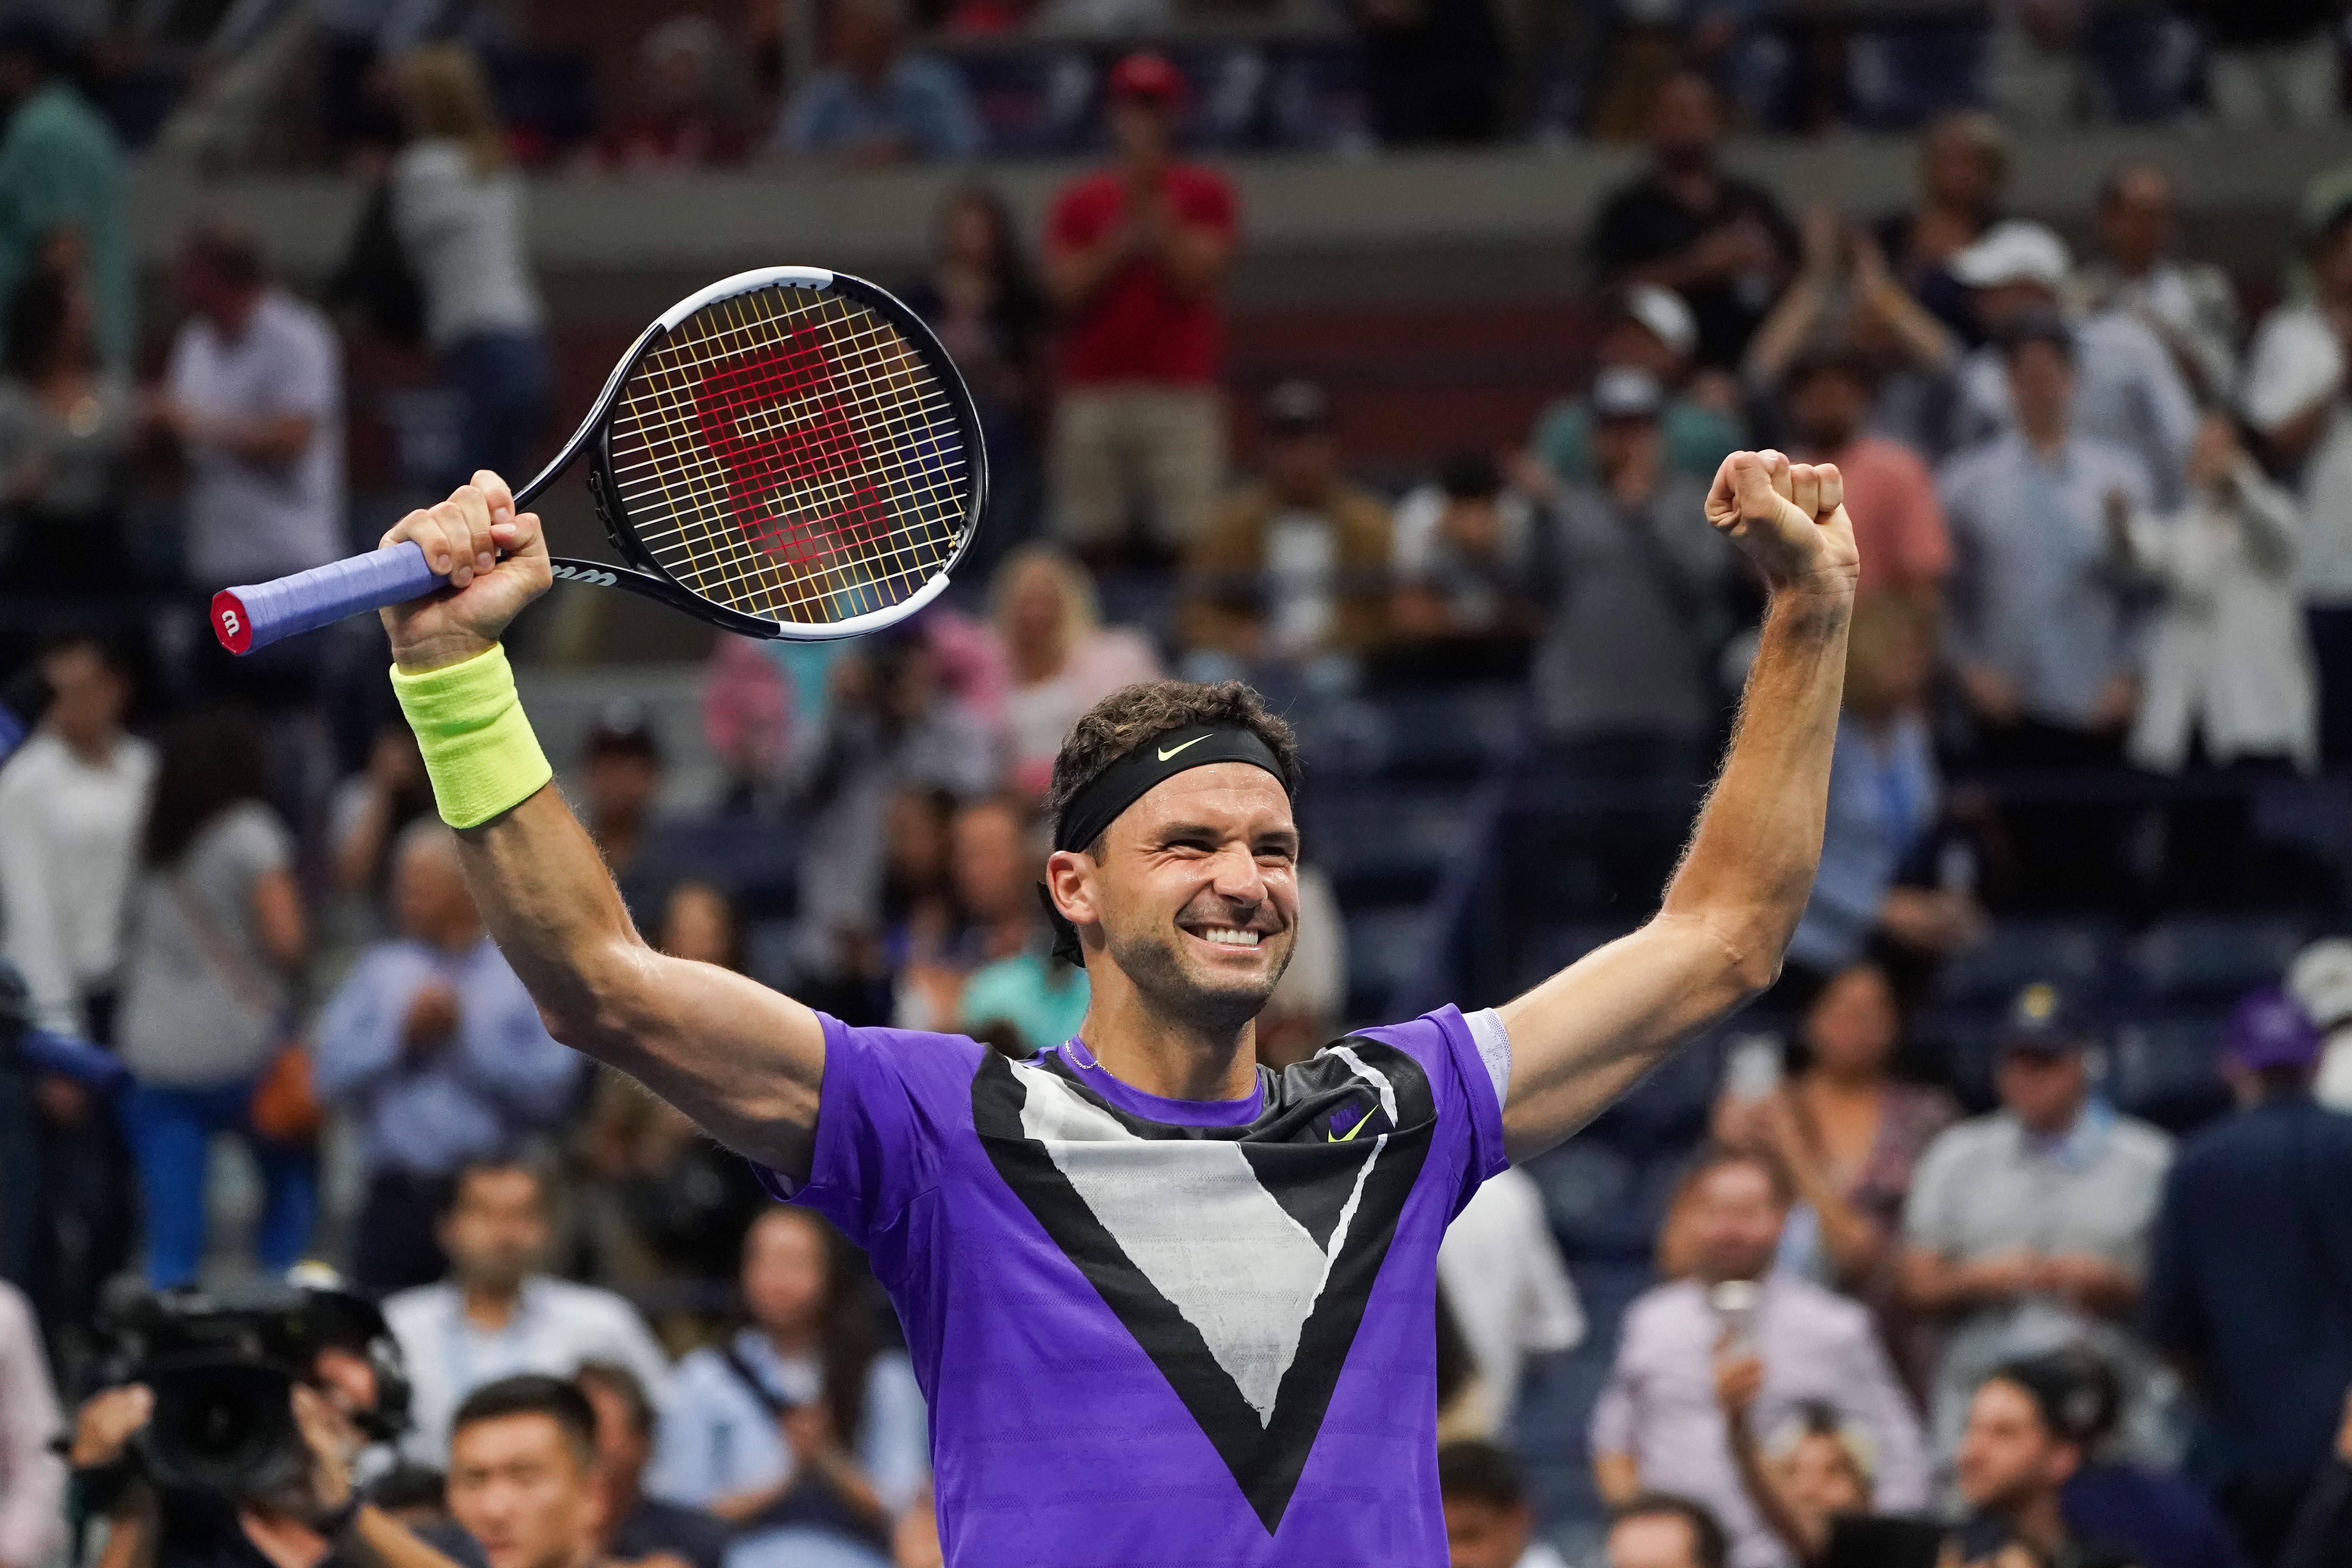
(1582, 1038)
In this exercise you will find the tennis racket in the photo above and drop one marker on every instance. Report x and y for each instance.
(789, 453)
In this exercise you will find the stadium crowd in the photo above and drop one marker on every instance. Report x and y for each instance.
(1924, 1258)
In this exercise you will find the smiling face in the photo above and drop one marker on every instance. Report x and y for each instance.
(1194, 895)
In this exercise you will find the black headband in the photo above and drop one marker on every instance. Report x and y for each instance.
(1101, 801)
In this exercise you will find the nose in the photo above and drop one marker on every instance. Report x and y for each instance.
(1235, 873)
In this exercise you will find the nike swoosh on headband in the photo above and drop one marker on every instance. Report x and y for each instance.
(1173, 750)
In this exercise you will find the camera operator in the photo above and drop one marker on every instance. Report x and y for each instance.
(218, 1483)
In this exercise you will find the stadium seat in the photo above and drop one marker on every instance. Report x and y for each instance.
(2213, 959)
(2083, 956)
(2163, 1069)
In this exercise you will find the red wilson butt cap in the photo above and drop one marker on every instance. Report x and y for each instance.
(231, 625)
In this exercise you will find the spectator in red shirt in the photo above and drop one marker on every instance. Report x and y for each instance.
(1135, 257)
(1898, 522)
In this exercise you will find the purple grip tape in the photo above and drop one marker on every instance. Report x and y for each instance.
(256, 616)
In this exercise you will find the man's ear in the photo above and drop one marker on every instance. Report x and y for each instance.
(1069, 880)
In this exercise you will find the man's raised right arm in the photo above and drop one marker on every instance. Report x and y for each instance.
(743, 1060)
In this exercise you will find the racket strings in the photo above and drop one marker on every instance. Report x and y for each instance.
(786, 452)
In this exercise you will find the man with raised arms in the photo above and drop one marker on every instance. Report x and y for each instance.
(1168, 1307)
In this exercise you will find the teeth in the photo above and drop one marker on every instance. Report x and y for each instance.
(1227, 936)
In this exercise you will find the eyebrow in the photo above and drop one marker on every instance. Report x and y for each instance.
(1284, 838)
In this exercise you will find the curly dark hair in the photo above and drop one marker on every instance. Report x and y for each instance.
(1132, 716)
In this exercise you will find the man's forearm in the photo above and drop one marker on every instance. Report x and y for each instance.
(1750, 865)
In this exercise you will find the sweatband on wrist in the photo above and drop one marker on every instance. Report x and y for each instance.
(478, 748)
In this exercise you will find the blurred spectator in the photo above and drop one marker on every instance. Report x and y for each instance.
(458, 207)
(2126, 390)
(874, 103)
(991, 873)
(1490, 1521)
(65, 431)
(1722, 244)
(1851, 1135)
(216, 931)
(1294, 569)
(2027, 1230)
(255, 394)
(2246, 1288)
(1464, 570)
(1809, 1480)
(1064, 660)
(890, 727)
(1508, 1288)
(71, 802)
(748, 711)
(2271, 64)
(2029, 1428)
(1885, 799)
(435, 1050)
(1625, 671)
(982, 298)
(688, 112)
(1019, 984)
(497, 1315)
(1650, 329)
(2294, 398)
(1845, 307)
(2226, 671)
(636, 1527)
(524, 1473)
(2322, 1535)
(2040, 625)
(64, 203)
(1898, 522)
(2157, 1517)
(1655, 1531)
(798, 1429)
(621, 779)
(365, 816)
(662, 1203)
(32, 1475)
(2190, 305)
(1136, 258)
(1432, 74)
(1659, 1423)
(1963, 163)
(914, 1540)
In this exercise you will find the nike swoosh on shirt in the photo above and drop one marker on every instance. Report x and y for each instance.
(1175, 749)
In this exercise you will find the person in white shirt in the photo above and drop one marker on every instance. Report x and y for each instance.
(2226, 663)
(458, 207)
(32, 1476)
(496, 1316)
(254, 395)
(1490, 1522)
(1507, 1287)
(2294, 398)
(2191, 305)
(71, 802)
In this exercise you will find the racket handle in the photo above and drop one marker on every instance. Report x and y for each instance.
(261, 613)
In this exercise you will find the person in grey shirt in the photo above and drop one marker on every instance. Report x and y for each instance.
(2041, 615)
(1636, 599)
(216, 933)
(2027, 1230)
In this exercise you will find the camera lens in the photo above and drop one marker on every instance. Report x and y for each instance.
(222, 1428)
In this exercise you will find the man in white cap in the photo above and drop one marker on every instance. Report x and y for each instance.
(1651, 329)
(2128, 392)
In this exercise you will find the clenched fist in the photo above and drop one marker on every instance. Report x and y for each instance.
(1789, 519)
(495, 561)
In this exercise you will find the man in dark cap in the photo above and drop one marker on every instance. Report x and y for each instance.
(2251, 1286)
(2027, 1229)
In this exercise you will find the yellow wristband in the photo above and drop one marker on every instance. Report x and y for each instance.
(478, 748)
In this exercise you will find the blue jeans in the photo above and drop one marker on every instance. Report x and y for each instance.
(504, 383)
(171, 1133)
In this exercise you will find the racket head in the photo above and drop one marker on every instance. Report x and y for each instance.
(795, 450)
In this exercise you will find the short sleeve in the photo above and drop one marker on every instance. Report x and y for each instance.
(2296, 361)
(1927, 1220)
(306, 379)
(1922, 541)
(251, 842)
(876, 1147)
(1079, 219)
(1469, 1064)
(1208, 202)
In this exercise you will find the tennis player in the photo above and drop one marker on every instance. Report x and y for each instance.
(1168, 1308)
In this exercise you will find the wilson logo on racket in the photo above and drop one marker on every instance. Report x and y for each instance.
(788, 453)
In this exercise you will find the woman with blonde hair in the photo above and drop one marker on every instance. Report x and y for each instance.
(458, 207)
(1063, 659)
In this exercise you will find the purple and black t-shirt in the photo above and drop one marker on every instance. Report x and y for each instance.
(1160, 1333)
